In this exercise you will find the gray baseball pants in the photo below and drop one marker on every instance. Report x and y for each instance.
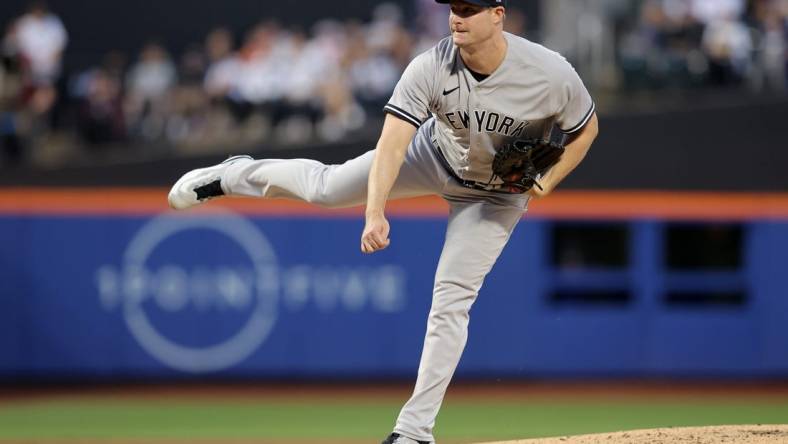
(479, 226)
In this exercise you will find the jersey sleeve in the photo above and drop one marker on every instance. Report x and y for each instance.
(574, 104)
(414, 91)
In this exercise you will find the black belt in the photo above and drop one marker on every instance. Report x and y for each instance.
(472, 184)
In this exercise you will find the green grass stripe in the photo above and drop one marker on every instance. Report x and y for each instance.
(97, 418)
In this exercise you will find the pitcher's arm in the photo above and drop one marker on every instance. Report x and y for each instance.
(389, 155)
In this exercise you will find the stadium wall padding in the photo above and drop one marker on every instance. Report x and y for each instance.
(230, 294)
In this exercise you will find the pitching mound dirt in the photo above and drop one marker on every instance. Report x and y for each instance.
(760, 434)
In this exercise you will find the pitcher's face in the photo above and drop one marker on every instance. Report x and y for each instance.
(471, 24)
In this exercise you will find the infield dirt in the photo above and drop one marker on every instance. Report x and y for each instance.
(745, 434)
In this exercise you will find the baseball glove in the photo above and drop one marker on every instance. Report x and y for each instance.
(520, 164)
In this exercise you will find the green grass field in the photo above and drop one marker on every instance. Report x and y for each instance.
(325, 419)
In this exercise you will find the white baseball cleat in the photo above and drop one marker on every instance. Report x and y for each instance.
(200, 185)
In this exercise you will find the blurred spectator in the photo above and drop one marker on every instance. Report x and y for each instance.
(148, 84)
(371, 58)
(255, 82)
(222, 63)
(221, 72)
(728, 46)
(710, 11)
(98, 95)
(10, 91)
(40, 38)
(433, 22)
(302, 106)
(385, 26)
(100, 117)
(341, 112)
(189, 104)
(32, 48)
(770, 19)
(516, 22)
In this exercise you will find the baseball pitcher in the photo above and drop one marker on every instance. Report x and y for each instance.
(475, 120)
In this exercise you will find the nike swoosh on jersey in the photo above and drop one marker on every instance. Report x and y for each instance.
(446, 93)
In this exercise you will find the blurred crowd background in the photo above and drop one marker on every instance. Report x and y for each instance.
(291, 85)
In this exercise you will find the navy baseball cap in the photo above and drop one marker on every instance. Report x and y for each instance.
(489, 3)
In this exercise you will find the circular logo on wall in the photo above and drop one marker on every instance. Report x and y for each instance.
(174, 286)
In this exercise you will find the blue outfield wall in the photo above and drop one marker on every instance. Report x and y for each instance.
(238, 296)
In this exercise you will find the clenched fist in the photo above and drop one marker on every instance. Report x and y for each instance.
(376, 234)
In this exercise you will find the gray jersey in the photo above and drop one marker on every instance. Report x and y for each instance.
(532, 91)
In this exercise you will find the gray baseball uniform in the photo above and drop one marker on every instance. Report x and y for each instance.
(461, 122)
